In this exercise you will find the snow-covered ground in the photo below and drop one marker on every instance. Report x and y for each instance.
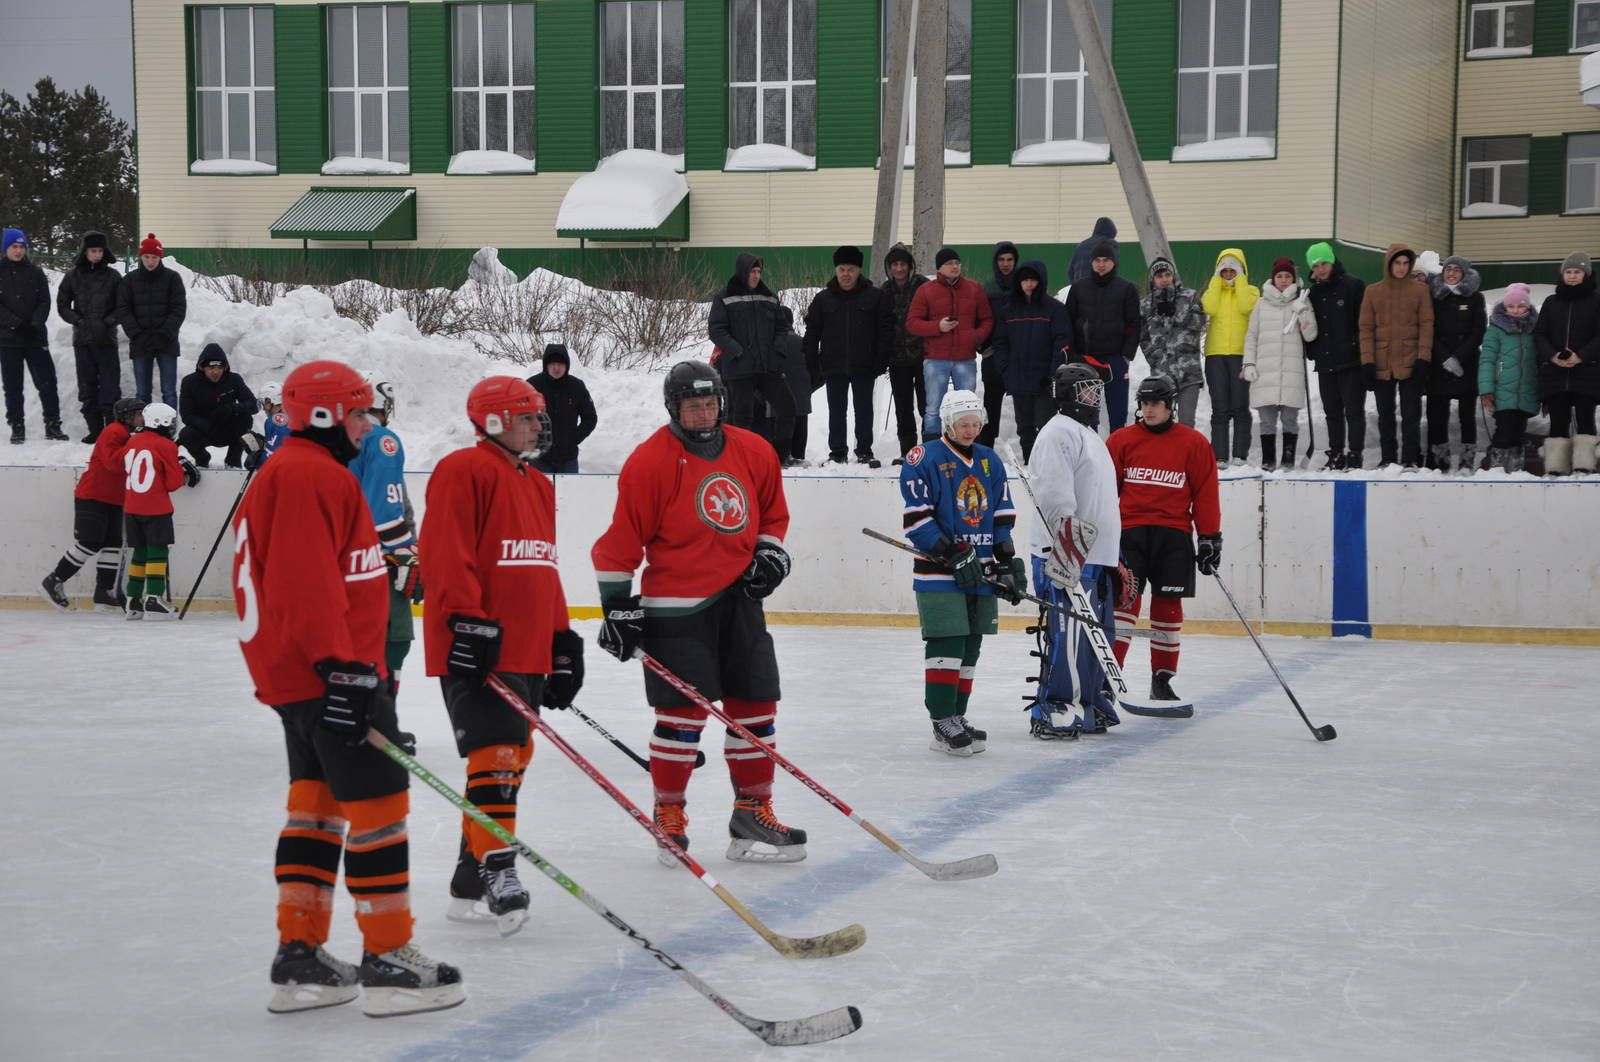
(1222, 888)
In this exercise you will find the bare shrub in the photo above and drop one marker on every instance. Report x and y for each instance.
(511, 321)
(655, 311)
(422, 285)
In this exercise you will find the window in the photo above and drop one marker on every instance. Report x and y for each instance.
(1495, 178)
(369, 106)
(957, 82)
(1227, 79)
(491, 88)
(1583, 174)
(236, 128)
(1499, 28)
(1585, 25)
(774, 85)
(641, 77)
(1057, 117)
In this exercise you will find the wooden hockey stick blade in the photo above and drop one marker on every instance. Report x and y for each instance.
(957, 870)
(817, 1029)
(826, 946)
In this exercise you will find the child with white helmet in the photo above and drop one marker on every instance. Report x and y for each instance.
(154, 470)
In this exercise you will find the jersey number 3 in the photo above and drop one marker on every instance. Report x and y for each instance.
(249, 613)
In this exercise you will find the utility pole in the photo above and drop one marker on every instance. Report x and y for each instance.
(927, 222)
(896, 123)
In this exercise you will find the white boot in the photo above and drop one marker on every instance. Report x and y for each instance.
(1584, 456)
(1558, 457)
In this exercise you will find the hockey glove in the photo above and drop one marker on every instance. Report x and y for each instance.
(1127, 588)
(348, 689)
(403, 569)
(191, 474)
(963, 562)
(1010, 573)
(622, 627)
(566, 670)
(1070, 551)
(1208, 557)
(768, 567)
(252, 462)
(474, 648)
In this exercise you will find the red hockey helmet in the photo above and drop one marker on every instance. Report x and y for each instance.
(319, 394)
(493, 402)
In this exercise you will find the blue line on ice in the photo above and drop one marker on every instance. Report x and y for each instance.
(518, 1031)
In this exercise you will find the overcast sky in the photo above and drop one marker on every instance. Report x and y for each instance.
(77, 42)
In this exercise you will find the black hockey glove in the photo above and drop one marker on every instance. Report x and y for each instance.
(474, 648)
(768, 567)
(191, 474)
(252, 462)
(963, 562)
(622, 628)
(1208, 557)
(1010, 573)
(566, 670)
(348, 689)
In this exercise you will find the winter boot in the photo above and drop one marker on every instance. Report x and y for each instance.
(1558, 457)
(1291, 442)
(1269, 453)
(1469, 460)
(51, 589)
(503, 891)
(134, 609)
(951, 737)
(19, 433)
(53, 432)
(157, 607)
(673, 820)
(1354, 461)
(1439, 458)
(838, 457)
(980, 738)
(1335, 461)
(405, 981)
(95, 421)
(306, 977)
(1584, 456)
(865, 457)
(754, 823)
(466, 889)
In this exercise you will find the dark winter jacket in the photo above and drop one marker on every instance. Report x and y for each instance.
(907, 347)
(571, 410)
(796, 373)
(965, 301)
(1000, 285)
(746, 325)
(1570, 320)
(206, 406)
(1173, 329)
(1105, 319)
(152, 304)
(848, 331)
(1337, 304)
(1032, 335)
(1080, 267)
(24, 304)
(1459, 321)
(1508, 367)
(87, 297)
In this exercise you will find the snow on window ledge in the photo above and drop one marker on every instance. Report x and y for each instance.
(1233, 147)
(346, 164)
(1499, 53)
(201, 167)
(952, 157)
(1056, 151)
(768, 157)
(1494, 210)
(489, 162)
(674, 162)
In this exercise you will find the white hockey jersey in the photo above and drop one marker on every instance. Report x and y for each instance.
(1071, 474)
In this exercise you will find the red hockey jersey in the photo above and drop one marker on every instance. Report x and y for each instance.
(105, 479)
(488, 549)
(695, 523)
(151, 473)
(309, 581)
(1166, 479)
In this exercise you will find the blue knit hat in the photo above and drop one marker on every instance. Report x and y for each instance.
(12, 236)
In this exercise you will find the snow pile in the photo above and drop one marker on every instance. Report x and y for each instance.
(629, 190)
(489, 162)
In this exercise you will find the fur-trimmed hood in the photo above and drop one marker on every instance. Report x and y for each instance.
(1515, 326)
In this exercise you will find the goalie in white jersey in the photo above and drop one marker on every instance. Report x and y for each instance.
(1075, 486)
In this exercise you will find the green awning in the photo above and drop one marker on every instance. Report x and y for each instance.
(675, 228)
(350, 214)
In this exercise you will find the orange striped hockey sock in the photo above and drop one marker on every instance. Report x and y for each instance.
(377, 870)
(308, 863)
(494, 777)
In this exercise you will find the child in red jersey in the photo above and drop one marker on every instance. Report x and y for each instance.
(153, 470)
(97, 515)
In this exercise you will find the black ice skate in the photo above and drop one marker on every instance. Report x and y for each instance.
(109, 599)
(1164, 703)
(466, 890)
(949, 736)
(754, 823)
(405, 981)
(980, 738)
(503, 891)
(134, 609)
(673, 821)
(157, 607)
(52, 592)
(306, 978)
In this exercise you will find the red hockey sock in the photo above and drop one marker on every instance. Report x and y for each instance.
(1166, 620)
(749, 767)
(673, 745)
(1127, 615)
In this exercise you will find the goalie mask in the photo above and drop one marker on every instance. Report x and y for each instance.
(1077, 391)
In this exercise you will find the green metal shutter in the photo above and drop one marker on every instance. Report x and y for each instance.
(302, 89)
(1144, 50)
(847, 83)
(994, 81)
(1552, 27)
(430, 88)
(566, 106)
(705, 103)
(1547, 172)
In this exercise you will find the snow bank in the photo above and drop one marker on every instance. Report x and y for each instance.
(1233, 147)
(629, 190)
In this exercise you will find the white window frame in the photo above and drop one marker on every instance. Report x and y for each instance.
(1497, 49)
(1497, 168)
(1578, 5)
(659, 90)
(386, 163)
(762, 86)
(1050, 78)
(1245, 71)
(222, 91)
(1589, 163)
(952, 156)
(508, 91)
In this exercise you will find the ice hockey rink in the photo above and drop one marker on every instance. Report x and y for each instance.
(1423, 887)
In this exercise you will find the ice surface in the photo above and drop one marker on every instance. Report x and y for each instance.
(1222, 888)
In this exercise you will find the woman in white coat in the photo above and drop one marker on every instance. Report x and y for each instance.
(1275, 362)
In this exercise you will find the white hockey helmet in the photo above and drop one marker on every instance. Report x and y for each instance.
(272, 392)
(382, 393)
(958, 404)
(158, 416)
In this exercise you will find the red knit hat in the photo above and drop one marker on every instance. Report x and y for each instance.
(151, 245)
(1283, 265)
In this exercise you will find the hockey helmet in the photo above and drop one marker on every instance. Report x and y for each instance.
(1077, 390)
(320, 394)
(382, 394)
(958, 404)
(126, 409)
(1157, 387)
(493, 402)
(160, 417)
(695, 379)
(272, 392)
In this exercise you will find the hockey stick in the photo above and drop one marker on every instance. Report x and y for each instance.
(195, 588)
(1321, 733)
(699, 755)
(839, 942)
(1311, 426)
(957, 870)
(818, 1028)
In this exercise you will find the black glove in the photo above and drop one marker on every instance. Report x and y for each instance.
(253, 461)
(474, 648)
(1369, 377)
(566, 670)
(348, 689)
(767, 569)
(1420, 370)
(963, 562)
(191, 474)
(1010, 573)
(227, 408)
(622, 628)
(1208, 557)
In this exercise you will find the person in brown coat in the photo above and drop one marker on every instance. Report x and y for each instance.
(1396, 345)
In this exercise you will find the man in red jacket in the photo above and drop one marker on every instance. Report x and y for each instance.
(953, 317)
(153, 471)
(312, 593)
(97, 515)
(1167, 483)
(495, 606)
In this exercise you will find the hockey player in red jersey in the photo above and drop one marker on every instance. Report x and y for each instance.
(154, 469)
(311, 590)
(701, 504)
(495, 606)
(1167, 487)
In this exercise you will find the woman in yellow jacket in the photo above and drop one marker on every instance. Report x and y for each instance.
(1228, 300)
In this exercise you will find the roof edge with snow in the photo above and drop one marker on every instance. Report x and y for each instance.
(631, 195)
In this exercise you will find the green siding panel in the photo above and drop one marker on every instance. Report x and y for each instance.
(566, 105)
(301, 61)
(1552, 27)
(847, 83)
(1144, 50)
(430, 88)
(705, 27)
(994, 87)
(1547, 165)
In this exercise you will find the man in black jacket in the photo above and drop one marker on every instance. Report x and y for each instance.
(87, 300)
(152, 304)
(1106, 325)
(571, 411)
(999, 289)
(1335, 298)
(24, 341)
(849, 335)
(217, 408)
(746, 323)
(905, 361)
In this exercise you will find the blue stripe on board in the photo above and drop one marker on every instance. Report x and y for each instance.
(1350, 560)
(519, 1030)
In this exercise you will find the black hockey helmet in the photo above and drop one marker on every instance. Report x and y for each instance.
(695, 379)
(1157, 387)
(125, 410)
(1077, 389)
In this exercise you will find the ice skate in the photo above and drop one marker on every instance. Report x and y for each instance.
(503, 891)
(1163, 703)
(51, 590)
(405, 981)
(1053, 721)
(949, 736)
(134, 609)
(466, 890)
(754, 823)
(157, 607)
(307, 978)
(107, 599)
(980, 738)
(674, 822)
